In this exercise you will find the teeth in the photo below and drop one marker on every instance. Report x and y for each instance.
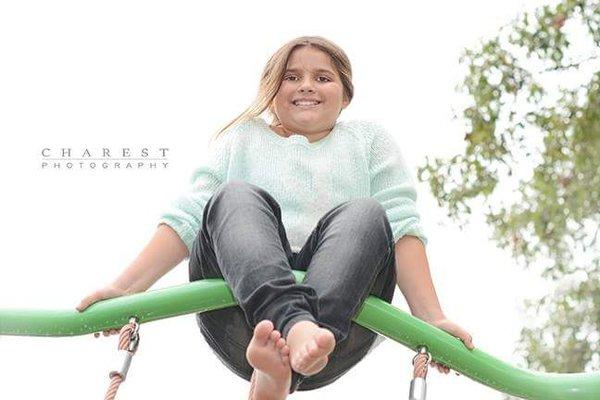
(305, 103)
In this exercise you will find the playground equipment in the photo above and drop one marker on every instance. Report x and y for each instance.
(375, 314)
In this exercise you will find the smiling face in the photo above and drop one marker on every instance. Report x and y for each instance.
(311, 94)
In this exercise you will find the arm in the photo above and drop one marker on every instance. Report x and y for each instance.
(164, 251)
(414, 279)
(177, 229)
(392, 186)
(161, 254)
(179, 224)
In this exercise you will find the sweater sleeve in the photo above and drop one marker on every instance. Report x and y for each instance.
(392, 185)
(184, 214)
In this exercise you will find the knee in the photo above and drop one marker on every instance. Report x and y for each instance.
(229, 194)
(371, 217)
(236, 192)
(237, 195)
(234, 187)
(368, 209)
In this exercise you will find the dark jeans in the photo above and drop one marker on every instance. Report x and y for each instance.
(349, 255)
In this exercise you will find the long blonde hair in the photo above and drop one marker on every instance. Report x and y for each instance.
(272, 76)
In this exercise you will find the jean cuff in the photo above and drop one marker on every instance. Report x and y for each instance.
(296, 381)
(300, 317)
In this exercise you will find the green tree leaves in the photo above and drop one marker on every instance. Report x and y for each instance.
(532, 158)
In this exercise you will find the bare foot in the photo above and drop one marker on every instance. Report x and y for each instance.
(310, 346)
(268, 354)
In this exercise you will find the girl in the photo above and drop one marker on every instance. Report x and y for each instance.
(304, 192)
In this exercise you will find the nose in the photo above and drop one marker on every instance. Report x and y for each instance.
(306, 86)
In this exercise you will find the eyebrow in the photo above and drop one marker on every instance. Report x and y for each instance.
(318, 70)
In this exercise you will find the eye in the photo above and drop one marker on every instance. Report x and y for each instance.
(326, 79)
(290, 77)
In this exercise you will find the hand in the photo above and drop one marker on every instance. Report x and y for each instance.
(107, 292)
(456, 331)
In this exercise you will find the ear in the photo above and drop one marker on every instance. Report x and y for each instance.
(345, 103)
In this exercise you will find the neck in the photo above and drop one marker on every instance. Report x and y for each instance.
(312, 137)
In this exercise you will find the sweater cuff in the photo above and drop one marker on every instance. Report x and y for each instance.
(412, 230)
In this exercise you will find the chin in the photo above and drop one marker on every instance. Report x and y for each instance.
(308, 127)
(307, 120)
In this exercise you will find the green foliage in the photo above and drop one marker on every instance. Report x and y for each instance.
(568, 340)
(532, 158)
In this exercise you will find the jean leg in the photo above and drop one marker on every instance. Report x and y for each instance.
(351, 246)
(359, 340)
(243, 241)
(242, 226)
(349, 255)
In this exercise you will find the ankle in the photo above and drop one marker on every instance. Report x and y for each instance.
(268, 387)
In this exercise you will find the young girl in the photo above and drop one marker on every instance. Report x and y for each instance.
(303, 192)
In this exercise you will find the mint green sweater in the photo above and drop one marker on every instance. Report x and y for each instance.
(358, 159)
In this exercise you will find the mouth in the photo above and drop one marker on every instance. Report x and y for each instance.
(306, 103)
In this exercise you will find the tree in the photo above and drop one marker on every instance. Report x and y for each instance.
(533, 130)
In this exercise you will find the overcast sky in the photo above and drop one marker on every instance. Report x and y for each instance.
(167, 75)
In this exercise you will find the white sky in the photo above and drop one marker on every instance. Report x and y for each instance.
(168, 74)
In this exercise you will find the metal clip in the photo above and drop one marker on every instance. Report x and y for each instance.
(418, 385)
(422, 350)
(134, 337)
(124, 356)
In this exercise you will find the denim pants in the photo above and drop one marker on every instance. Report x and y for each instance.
(349, 255)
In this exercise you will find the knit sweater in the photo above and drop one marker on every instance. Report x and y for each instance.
(357, 159)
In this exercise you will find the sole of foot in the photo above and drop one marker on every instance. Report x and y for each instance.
(310, 346)
(268, 354)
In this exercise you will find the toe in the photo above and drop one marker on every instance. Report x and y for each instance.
(262, 330)
(280, 343)
(275, 335)
(325, 340)
(312, 349)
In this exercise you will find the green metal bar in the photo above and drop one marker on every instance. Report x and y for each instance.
(375, 314)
